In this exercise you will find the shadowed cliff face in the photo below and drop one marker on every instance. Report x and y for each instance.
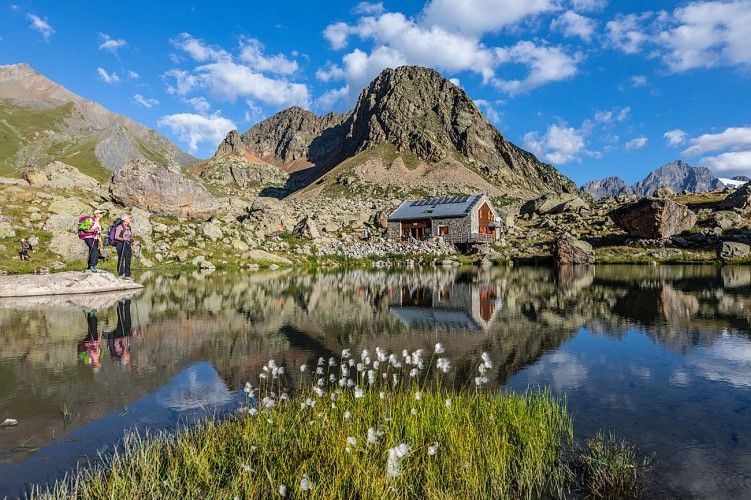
(426, 118)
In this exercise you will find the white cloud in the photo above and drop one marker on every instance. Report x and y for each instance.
(229, 80)
(331, 97)
(589, 5)
(560, 144)
(638, 80)
(475, 17)
(337, 35)
(706, 34)
(675, 137)
(545, 65)
(368, 8)
(133, 75)
(184, 83)
(109, 44)
(488, 108)
(572, 24)
(611, 115)
(200, 104)
(729, 164)
(107, 77)
(627, 32)
(198, 49)
(41, 26)
(733, 138)
(251, 53)
(146, 102)
(195, 129)
(636, 143)
(330, 72)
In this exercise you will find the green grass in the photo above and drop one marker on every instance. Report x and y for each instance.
(359, 434)
(83, 157)
(611, 468)
(18, 125)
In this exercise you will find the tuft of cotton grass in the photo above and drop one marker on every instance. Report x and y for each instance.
(394, 463)
(305, 483)
(433, 449)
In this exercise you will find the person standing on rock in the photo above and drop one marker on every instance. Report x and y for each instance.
(124, 245)
(92, 237)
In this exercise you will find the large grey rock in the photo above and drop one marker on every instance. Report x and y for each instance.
(307, 229)
(266, 257)
(162, 191)
(57, 223)
(654, 218)
(733, 250)
(32, 285)
(60, 175)
(569, 250)
(6, 230)
(553, 203)
(140, 224)
(69, 206)
(726, 219)
(68, 247)
(739, 199)
(212, 231)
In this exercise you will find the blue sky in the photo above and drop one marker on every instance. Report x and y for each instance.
(595, 87)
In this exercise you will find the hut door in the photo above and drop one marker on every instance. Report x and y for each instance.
(486, 219)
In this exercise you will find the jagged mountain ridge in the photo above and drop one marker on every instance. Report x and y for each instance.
(678, 175)
(410, 126)
(41, 121)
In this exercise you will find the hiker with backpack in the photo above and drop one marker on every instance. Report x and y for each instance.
(90, 231)
(121, 235)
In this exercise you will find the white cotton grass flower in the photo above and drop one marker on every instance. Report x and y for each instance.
(282, 490)
(360, 367)
(320, 370)
(263, 375)
(413, 373)
(413, 411)
(418, 396)
(439, 349)
(371, 377)
(268, 402)
(332, 378)
(359, 393)
(382, 395)
(352, 441)
(448, 403)
(248, 389)
(351, 362)
(252, 412)
(395, 378)
(346, 353)
(321, 361)
(376, 364)
(381, 355)
(374, 435)
(364, 354)
(444, 365)
(332, 362)
(394, 462)
(305, 483)
(321, 382)
(481, 381)
(486, 360)
(433, 449)
(347, 415)
(303, 368)
(319, 392)
(350, 383)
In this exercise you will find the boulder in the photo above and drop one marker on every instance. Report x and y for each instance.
(553, 203)
(266, 205)
(663, 192)
(307, 229)
(381, 219)
(162, 190)
(60, 175)
(68, 247)
(739, 199)
(263, 256)
(569, 250)
(653, 218)
(733, 250)
(141, 225)
(726, 219)
(212, 231)
(70, 206)
(6, 230)
(35, 285)
(57, 223)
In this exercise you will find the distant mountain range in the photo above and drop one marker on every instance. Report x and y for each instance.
(678, 176)
(411, 131)
(41, 121)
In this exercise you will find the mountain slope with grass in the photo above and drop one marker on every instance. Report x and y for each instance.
(41, 121)
(411, 132)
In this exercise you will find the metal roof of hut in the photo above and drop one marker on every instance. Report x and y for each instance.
(435, 208)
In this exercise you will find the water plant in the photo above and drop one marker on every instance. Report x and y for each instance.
(369, 425)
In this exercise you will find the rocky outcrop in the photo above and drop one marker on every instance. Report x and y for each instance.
(33, 285)
(162, 191)
(551, 203)
(731, 250)
(654, 218)
(663, 192)
(569, 250)
(740, 199)
(60, 175)
(607, 187)
(679, 177)
(296, 134)
(307, 229)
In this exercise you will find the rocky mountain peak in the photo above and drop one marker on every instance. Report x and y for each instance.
(679, 176)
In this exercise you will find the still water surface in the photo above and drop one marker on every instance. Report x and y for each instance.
(659, 355)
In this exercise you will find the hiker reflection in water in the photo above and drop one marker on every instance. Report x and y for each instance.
(89, 349)
(118, 340)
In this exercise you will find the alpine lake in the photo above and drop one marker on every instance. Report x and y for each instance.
(659, 355)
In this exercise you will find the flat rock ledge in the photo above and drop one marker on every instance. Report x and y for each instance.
(67, 283)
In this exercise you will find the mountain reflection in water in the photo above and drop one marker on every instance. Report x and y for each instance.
(659, 355)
